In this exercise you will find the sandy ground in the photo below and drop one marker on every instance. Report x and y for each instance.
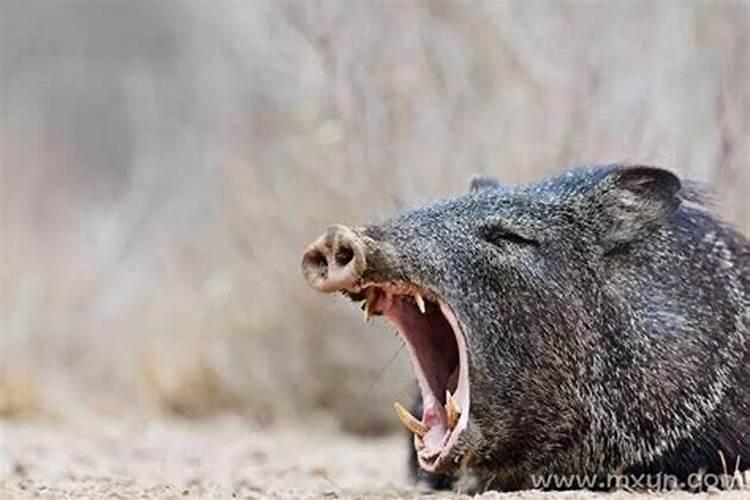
(225, 458)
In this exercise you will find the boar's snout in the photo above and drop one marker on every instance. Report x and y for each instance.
(335, 261)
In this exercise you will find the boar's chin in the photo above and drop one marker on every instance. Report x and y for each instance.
(437, 348)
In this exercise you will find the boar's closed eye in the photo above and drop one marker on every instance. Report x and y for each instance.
(501, 236)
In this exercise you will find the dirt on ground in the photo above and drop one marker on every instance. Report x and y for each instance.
(221, 458)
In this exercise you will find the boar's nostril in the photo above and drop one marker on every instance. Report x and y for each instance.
(344, 255)
(317, 261)
(335, 261)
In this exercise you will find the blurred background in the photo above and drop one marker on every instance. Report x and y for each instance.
(164, 164)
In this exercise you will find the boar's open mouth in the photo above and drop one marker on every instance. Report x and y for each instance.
(437, 348)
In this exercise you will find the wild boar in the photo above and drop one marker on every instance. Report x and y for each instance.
(590, 324)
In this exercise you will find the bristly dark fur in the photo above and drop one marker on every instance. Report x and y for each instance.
(606, 313)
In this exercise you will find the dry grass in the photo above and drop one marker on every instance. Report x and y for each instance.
(163, 165)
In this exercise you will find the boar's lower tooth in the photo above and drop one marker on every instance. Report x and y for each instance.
(418, 443)
(409, 421)
(420, 302)
(429, 453)
(452, 410)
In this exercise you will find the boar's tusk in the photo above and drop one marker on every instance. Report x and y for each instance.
(410, 421)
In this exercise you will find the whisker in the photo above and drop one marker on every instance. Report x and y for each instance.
(380, 374)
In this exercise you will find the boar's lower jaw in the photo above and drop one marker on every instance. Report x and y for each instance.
(436, 345)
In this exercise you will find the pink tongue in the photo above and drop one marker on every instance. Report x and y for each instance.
(434, 418)
(435, 437)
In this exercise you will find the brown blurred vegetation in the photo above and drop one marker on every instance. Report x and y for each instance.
(163, 164)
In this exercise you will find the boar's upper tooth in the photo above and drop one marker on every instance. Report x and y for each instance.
(410, 421)
(420, 302)
(367, 306)
(366, 311)
(452, 410)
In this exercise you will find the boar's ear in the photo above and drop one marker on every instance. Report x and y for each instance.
(627, 200)
(479, 182)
